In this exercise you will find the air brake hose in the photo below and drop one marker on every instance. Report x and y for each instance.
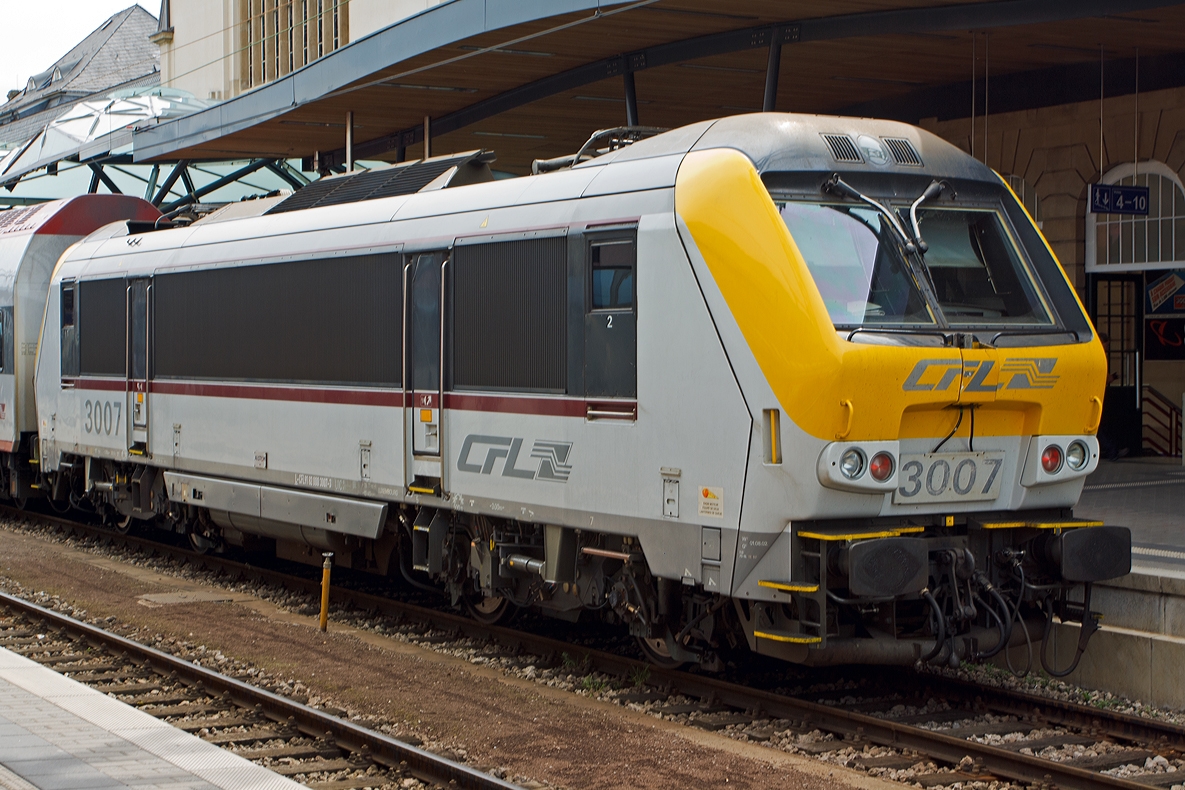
(940, 636)
(1005, 624)
(1089, 626)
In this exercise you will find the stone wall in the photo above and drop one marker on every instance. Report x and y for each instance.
(1056, 151)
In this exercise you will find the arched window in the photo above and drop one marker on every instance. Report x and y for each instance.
(1028, 197)
(1126, 242)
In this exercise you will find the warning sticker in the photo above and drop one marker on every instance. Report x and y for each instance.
(711, 502)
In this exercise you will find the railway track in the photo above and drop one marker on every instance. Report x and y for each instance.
(292, 739)
(938, 731)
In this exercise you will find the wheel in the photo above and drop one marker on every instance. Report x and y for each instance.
(60, 506)
(122, 525)
(491, 611)
(658, 652)
(20, 502)
(199, 544)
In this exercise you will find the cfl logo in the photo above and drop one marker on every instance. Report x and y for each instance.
(549, 459)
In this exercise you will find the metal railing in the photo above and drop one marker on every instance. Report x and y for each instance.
(1162, 423)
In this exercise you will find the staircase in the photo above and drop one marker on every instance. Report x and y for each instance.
(1162, 423)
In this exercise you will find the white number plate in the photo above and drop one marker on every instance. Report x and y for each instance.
(948, 477)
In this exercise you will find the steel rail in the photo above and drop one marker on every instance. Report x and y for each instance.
(950, 749)
(349, 736)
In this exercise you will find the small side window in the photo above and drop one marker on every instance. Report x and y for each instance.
(67, 305)
(613, 275)
(70, 345)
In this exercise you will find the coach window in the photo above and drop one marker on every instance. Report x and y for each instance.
(610, 334)
(69, 330)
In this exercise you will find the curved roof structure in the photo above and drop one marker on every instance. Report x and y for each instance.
(532, 78)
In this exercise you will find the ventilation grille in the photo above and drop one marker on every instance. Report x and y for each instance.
(842, 148)
(371, 184)
(903, 151)
(17, 216)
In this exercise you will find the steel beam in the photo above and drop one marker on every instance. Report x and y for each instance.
(170, 179)
(1014, 92)
(97, 175)
(195, 195)
(285, 171)
(772, 69)
(631, 100)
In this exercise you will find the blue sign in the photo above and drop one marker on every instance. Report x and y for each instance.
(1115, 199)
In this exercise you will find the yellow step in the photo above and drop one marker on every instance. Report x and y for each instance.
(892, 532)
(790, 587)
(1069, 524)
(794, 639)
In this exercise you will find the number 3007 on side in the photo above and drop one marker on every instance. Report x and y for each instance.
(101, 418)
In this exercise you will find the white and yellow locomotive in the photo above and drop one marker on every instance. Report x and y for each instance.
(814, 385)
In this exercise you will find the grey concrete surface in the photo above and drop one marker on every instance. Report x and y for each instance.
(1147, 495)
(57, 734)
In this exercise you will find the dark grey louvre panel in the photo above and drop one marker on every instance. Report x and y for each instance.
(102, 316)
(903, 151)
(842, 148)
(371, 184)
(329, 321)
(510, 316)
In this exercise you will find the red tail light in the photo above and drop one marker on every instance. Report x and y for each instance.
(1051, 458)
(881, 467)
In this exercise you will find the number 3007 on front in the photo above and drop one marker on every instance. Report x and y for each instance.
(948, 477)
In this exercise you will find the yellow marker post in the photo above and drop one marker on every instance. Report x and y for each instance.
(326, 567)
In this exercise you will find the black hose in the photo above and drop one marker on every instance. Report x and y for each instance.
(1004, 623)
(940, 636)
(1015, 616)
(1089, 626)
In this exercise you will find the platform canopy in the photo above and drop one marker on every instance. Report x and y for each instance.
(533, 78)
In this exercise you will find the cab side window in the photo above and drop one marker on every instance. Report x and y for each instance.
(610, 323)
(70, 355)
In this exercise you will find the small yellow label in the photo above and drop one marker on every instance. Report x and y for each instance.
(950, 521)
(425, 415)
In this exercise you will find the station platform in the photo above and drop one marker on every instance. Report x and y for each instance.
(1146, 494)
(57, 734)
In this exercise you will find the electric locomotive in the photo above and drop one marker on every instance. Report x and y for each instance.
(816, 387)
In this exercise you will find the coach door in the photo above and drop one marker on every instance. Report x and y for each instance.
(423, 384)
(139, 294)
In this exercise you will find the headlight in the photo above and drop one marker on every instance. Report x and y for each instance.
(881, 467)
(851, 464)
(1077, 456)
(1051, 459)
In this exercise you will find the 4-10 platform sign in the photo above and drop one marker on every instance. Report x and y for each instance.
(1115, 199)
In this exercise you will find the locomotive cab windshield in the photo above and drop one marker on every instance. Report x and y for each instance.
(969, 273)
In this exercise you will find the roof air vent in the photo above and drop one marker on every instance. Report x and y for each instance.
(903, 151)
(842, 148)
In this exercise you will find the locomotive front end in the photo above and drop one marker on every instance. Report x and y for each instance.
(927, 387)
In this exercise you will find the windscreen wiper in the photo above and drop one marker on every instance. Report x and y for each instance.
(839, 186)
(921, 272)
(931, 192)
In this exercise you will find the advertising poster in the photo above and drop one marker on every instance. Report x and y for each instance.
(1164, 317)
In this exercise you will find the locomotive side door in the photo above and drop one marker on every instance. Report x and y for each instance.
(610, 327)
(139, 294)
(423, 372)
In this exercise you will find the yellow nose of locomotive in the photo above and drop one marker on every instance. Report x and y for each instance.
(841, 386)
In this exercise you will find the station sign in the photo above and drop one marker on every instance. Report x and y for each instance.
(1116, 199)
